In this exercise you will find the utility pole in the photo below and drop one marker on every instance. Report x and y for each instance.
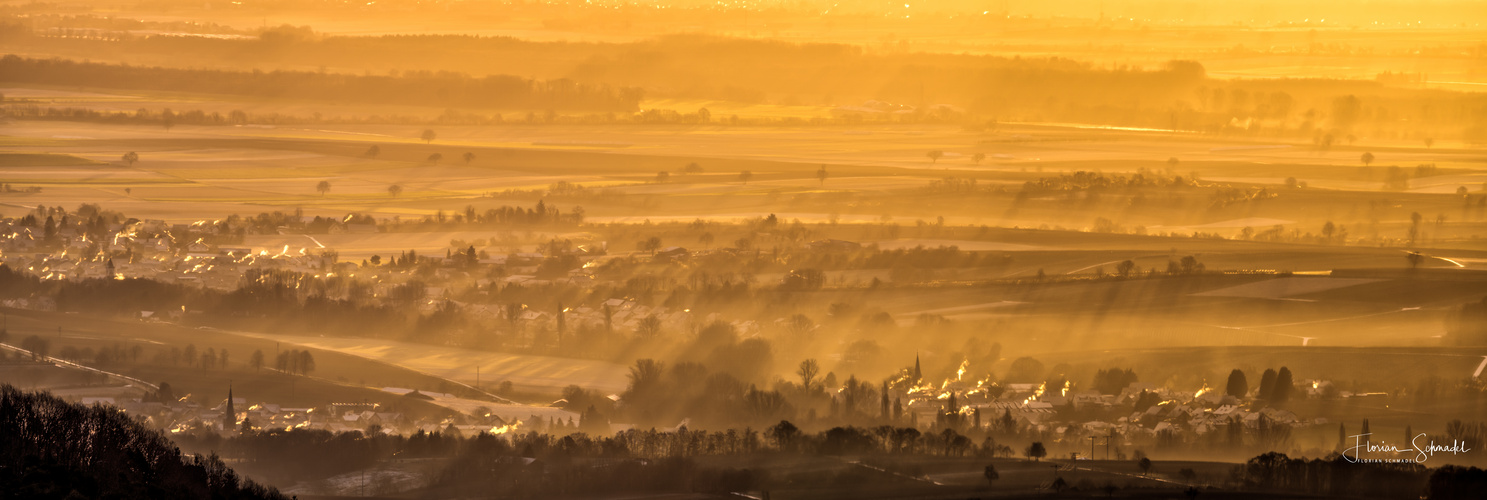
(1107, 443)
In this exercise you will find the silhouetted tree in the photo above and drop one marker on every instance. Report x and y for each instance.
(807, 372)
(784, 434)
(1267, 384)
(428, 136)
(1035, 451)
(1414, 231)
(37, 346)
(1283, 386)
(1238, 386)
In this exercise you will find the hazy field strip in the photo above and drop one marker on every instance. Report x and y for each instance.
(99, 338)
(542, 372)
(337, 377)
(832, 145)
(375, 185)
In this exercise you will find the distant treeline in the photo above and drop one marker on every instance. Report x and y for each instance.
(264, 300)
(443, 89)
(53, 449)
(1335, 476)
(1178, 95)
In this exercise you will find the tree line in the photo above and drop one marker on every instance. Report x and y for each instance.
(426, 88)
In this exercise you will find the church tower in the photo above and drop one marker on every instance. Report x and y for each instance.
(230, 416)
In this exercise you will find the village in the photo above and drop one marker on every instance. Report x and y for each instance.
(1142, 415)
(208, 254)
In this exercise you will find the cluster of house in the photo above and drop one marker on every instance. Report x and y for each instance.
(1182, 416)
(234, 413)
(152, 249)
(187, 416)
(884, 108)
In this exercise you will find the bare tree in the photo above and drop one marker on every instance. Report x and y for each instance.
(323, 187)
(800, 325)
(468, 157)
(744, 177)
(428, 136)
(131, 157)
(394, 190)
(650, 244)
(649, 327)
(1367, 158)
(807, 372)
(935, 155)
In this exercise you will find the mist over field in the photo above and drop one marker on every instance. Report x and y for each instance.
(770, 250)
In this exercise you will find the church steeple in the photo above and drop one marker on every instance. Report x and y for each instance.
(230, 416)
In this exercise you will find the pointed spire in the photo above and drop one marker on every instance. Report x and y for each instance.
(230, 416)
(918, 375)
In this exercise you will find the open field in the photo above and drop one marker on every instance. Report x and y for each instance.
(527, 372)
(194, 172)
(337, 377)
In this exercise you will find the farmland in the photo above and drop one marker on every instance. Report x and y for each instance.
(802, 250)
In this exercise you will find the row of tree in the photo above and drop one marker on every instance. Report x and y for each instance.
(442, 89)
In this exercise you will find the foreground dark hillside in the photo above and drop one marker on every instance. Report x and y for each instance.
(53, 449)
